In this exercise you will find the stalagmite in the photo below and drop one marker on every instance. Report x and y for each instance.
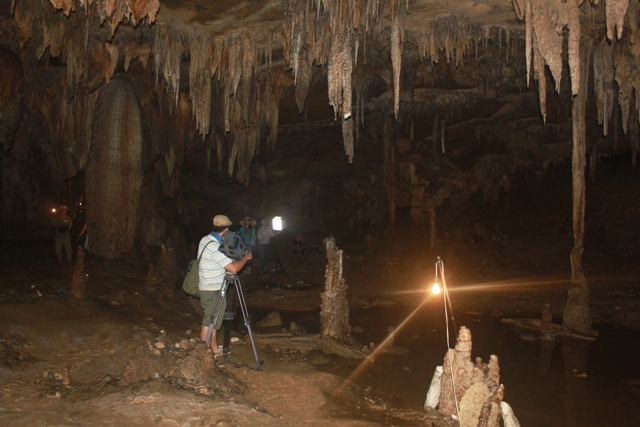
(470, 391)
(334, 313)
(457, 373)
(79, 280)
(508, 416)
(114, 170)
(347, 137)
(433, 395)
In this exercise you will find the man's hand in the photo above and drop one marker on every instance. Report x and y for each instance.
(248, 256)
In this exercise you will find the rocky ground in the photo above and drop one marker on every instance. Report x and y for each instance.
(127, 353)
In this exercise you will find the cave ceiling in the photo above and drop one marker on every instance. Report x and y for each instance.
(219, 75)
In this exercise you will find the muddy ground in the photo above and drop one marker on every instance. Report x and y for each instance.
(127, 353)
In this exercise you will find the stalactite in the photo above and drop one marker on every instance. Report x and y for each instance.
(303, 82)
(339, 75)
(451, 35)
(135, 50)
(65, 5)
(615, 10)
(249, 54)
(624, 77)
(548, 40)
(345, 20)
(167, 50)
(233, 47)
(603, 82)
(397, 40)
(115, 11)
(200, 75)
(545, 21)
(528, 22)
(540, 75)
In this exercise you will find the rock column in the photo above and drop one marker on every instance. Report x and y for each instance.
(334, 314)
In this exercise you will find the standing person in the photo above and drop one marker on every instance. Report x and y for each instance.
(62, 223)
(264, 234)
(214, 264)
(248, 233)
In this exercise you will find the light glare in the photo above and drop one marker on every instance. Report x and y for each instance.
(435, 289)
(277, 223)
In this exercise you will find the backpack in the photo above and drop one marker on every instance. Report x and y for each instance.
(191, 282)
(233, 245)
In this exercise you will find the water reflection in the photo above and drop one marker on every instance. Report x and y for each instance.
(575, 355)
(548, 383)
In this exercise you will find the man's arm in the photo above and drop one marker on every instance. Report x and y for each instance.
(234, 267)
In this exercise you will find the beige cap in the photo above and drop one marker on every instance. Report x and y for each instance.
(64, 208)
(221, 221)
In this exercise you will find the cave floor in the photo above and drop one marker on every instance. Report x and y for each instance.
(520, 266)
(45, 331)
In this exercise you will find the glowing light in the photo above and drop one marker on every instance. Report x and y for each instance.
(277, 223)
(435, 289)
(53, 210)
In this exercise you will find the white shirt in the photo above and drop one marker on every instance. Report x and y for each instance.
(265, 233)
(212, 264)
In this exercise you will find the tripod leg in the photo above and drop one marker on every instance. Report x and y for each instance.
(228, 318)
(247, 323)
(266, 269)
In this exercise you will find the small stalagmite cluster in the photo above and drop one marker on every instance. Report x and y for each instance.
(468, 390)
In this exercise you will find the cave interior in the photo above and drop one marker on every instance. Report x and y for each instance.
(385, 123)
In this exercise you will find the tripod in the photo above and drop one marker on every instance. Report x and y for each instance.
(231, 280)
(278, 265)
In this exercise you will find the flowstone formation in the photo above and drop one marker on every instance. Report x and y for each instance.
(469, 391)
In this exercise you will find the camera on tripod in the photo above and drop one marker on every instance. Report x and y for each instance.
(233, 245)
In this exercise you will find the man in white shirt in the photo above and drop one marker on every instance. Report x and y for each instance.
(264, 235)
(214, 264)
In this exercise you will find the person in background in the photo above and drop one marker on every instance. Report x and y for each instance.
(264, 235)
(248, 233)
(298, 246)
(214, 265)
(62, 224)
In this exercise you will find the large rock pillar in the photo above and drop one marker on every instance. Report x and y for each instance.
(114, 170)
